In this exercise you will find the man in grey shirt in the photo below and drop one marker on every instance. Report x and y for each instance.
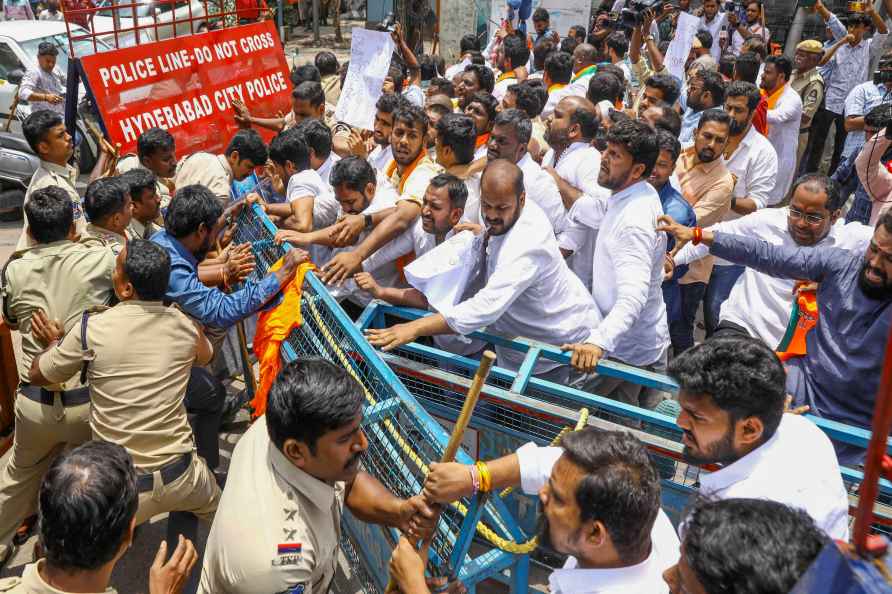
(43, 87)
(840, 374)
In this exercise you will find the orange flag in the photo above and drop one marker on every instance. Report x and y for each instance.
(806, 314)
(274, 326)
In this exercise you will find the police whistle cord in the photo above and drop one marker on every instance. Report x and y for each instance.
(504, 544)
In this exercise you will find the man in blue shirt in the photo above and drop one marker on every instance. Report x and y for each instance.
(839, 376)
(706, 90)
(681, 212)
(193, 222)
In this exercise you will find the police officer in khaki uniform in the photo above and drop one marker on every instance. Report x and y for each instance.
(137, 388)
(155, 152)
(807, 81)
(145, 203)
(45, 132)
(87, 506)
(278, 524)
(217, 172)
(107, 205)
(63, 278)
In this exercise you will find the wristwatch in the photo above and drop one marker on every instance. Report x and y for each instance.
(368, 222)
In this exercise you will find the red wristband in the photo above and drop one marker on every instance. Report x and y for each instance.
(698, 236)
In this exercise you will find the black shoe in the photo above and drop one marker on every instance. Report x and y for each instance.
(234, 403)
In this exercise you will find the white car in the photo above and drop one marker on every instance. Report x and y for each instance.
(166, 14)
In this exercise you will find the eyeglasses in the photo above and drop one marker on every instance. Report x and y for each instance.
(811, 219)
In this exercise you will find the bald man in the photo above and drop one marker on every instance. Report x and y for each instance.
(523, 288)
(585, 60)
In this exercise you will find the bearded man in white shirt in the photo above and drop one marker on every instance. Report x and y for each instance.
(732, 396)
(760, 305)
(600, 504)
(784, 119)
(519, 285)
(628, 263)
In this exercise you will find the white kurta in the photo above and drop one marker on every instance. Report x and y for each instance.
(783, 134)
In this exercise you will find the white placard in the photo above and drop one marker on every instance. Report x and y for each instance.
(680, 46)
(370, 54)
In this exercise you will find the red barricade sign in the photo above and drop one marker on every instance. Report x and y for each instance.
(187, 84)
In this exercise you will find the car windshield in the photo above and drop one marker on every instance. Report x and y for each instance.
(82, 47)
(106, 10)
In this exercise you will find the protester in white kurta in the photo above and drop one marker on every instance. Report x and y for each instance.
(784, 121)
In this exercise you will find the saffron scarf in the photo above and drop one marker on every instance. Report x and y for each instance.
(273, 326)
(506, 76)
(391, 169)
(556, 87)
(770, 102)
(481, 140)
(585, 71)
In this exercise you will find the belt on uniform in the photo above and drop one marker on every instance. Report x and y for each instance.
(47, 397)
(804, 130)
(169, 473)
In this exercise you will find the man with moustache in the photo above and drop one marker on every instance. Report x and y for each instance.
(599, 500)
(839, 376)
(808, 82)
(784, 118)
(155, 152)
(293, 471)
(731, 392)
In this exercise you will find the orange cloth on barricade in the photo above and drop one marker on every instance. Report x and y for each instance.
(274, 326)
(808, 319)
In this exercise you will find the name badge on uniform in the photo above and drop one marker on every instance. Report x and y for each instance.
(295, 589)
(288, 553)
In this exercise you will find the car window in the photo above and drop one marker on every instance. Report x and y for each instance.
(8, 61)
(82, 47)
(167, 5)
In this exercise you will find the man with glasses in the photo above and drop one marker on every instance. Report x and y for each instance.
(759, 305)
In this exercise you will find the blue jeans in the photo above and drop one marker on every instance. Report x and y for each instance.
(681, 330)
(720, 284)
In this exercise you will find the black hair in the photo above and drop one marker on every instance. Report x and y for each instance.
(412, 115)
(615, 71)
(317, 135)
(749, 546)
(618, 42)
(518, 120)
(326, 63)
(541, 50)
(559, 67)
(431, 66)
(105, 197)
(516, 51)
(353, 173)
(390, 102)
(740, 88)
(885, 220)
(665, 84)
(458, 132)
(578, 31)
(669, 119)
(714, 114)
(46, 48)
(753, 44)
(639, 139)
(705, 38)
(540, 14)
(604, 86)
(311, 92)
(726, 65)
(147, 266)
(139, 180)
(715, 84)
(304, 73)
(742, 376)
(746, 67)
(669, 142)
(191, 207)
(588, 122)
(437, 108)
(87, 501)
(290, 145)
(153, 141)
(821, 183)
(619, 488)
(568, 45)
(444, 85)
(469, 42)
(50, 214)
(456, 188)
(488, 102)
(397, 75)
(477, 58)
(38, 124)
(541, 92)
(250, 146)
(526, 99)
(309, 398)
(484, 76)
(879, 117)
(782, 63)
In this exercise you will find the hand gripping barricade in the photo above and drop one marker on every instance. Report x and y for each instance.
(403, 441)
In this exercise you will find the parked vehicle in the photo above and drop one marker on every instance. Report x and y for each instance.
(170, 16)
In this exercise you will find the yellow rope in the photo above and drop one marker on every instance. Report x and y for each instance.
(485, 531)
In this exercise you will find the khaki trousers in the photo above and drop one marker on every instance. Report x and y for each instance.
(41, 432)
(195, 491)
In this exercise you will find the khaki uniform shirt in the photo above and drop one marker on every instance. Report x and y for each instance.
(137, 230)
(32, 583)
(50, 174)
(811, 89)
(132, 162)
(419, 179)
(136, 388)
(63, 278)
(708, 188)
(111, 239)
(331, 85)
(277, 528)
(209, 170)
